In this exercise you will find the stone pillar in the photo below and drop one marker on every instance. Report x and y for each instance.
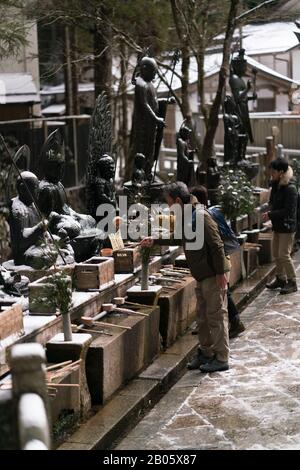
(58, 350)
(27, 364)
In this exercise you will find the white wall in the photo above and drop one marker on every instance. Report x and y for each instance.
(296, 64)
(282, 103)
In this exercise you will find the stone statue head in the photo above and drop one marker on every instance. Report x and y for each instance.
(106, 167)
(185, 132)
(229, 105)
(148, 69)
(239, 63)
(28, 182)
(140, 161)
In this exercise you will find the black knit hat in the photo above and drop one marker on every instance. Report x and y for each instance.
(280, 164)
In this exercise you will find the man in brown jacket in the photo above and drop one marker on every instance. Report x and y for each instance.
(210, 267)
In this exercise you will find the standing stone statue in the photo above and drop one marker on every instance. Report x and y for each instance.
(240, 96)
(100, 188)
(185, 157)
(232, 126)
(147, 113)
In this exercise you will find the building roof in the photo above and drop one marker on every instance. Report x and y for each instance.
(18, 88)
(60, 89)
(212, 66)
(54, 110)
(267, 38)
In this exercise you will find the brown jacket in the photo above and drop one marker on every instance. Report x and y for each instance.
(210, 259)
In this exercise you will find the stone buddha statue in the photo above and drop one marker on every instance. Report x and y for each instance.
(28, 242)
(240, 96)
(139, 175)
(104, 188)
(147, 113)
(185, 157)
(232, 127)
(52, 194)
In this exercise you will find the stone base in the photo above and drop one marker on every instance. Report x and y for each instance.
(266, 252)
(147, 297)
(113, 360)
(237, 268)
(177, 310)
(58, 350)
(66, 400)
(250, 258)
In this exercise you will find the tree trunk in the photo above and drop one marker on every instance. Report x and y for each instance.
(124, 105)
(185, 66)
(213, 119)
(74, 71)
(103, 57)
(68, 71)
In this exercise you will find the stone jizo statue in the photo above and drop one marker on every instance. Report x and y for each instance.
(147, 113)
(240, 92)
(139, 175)
(185, 157)
(104, 187)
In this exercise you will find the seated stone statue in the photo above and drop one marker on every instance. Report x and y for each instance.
(139, 174)
(52, 194)
(104, 188)
(26, 229)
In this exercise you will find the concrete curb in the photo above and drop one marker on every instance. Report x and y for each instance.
(126, 408)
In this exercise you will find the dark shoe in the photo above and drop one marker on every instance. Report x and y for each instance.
(277, 284)
(214, 366)
(235, 329)
(198, 360)
(291, 286)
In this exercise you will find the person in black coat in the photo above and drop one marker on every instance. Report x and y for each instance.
(283, 215)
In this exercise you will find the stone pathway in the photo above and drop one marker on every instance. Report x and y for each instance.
(254, 405)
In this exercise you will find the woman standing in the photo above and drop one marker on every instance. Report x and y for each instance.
(283, 215)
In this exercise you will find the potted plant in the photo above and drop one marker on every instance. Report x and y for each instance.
(57, 294)
(236, 198)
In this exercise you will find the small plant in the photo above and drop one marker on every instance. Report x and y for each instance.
(57, 294)
(236, 194)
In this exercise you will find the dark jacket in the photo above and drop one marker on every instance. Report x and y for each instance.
(283, 204)
(210, 259)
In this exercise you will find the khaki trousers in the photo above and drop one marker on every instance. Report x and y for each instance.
(282, 248)
(212, 319)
